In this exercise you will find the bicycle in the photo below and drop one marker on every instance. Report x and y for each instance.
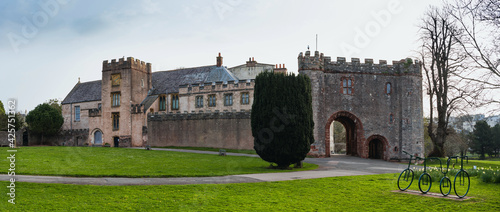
(462, 175)
(407, 175)
(445, 182)
(425, 178)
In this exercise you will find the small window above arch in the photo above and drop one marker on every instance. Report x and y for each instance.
(388, 88)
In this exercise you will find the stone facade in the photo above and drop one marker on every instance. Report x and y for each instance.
(250, 69)
(379, 105)
(73, 128)
(114, 110)
(134, 84)
(189, 93)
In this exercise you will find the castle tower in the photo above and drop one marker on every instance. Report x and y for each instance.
(379, 105)
(125, 83)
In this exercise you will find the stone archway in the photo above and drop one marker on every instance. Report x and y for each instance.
(97, 137)
(377, 147)
(354, 133)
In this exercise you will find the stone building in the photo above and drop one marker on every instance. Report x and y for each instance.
(114, 110)
(379, 105)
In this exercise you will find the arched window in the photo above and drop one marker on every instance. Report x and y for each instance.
(98, 137)
(175, 101)
(388, 88)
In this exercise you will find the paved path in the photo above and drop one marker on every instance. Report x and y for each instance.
(337, 165)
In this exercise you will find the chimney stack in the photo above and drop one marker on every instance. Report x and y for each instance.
(251, 62)
(280, 68)
(219, 61)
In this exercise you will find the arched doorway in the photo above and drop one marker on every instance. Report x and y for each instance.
(98, 137)
(376, 147)
(353, 133)
(337, 138)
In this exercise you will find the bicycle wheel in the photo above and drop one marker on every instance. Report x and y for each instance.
(463, 185)
(445, 186)
(424, 183)
(405, 179)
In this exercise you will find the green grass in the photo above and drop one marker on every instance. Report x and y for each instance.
(495, 164)
(355, 193)
(245, 151)
(122, 162)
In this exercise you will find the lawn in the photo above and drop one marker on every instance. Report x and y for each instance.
(355, 193)
(122, 162)
(494, 164)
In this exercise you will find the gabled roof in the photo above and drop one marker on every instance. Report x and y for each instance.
(148, 101)
(165, 82)
(84, 92)
(256, 65)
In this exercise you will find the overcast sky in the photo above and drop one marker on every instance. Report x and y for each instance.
(45, 48)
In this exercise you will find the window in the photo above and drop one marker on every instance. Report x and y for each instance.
(212, 100)
(115, 99)
(388, 89)
(77, 113)
(228, 99)
(115, 79)
(116, 121)
(199, 101)
(347, 86)
(163, 103)
(245, 98)
(99, 106)
(142, 83)
(391, 118)
(175, 101)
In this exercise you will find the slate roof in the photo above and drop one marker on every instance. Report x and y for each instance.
(165, 82)
(148, 101)
(84, 92)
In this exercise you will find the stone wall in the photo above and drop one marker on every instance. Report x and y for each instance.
(4, 141)
(65, 138)
(231, 130)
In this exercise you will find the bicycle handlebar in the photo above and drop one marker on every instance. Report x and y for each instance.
(407, 153)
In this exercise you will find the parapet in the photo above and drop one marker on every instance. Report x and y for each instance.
(126, 64)
(324, 63)
(199, 116)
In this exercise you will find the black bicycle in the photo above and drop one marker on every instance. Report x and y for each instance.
(463, 186)
(406, 177)
(445, 182)
(425, 180)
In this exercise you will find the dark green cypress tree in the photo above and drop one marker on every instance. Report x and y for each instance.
(282, 122)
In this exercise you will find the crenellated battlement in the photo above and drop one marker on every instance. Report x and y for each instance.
(324, 63)
(200, 115)
(126, 64)
(216, 86)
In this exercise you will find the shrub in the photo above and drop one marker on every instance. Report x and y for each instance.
(282, 123)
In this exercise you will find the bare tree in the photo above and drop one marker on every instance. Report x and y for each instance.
(442, 61)
(479, 20)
